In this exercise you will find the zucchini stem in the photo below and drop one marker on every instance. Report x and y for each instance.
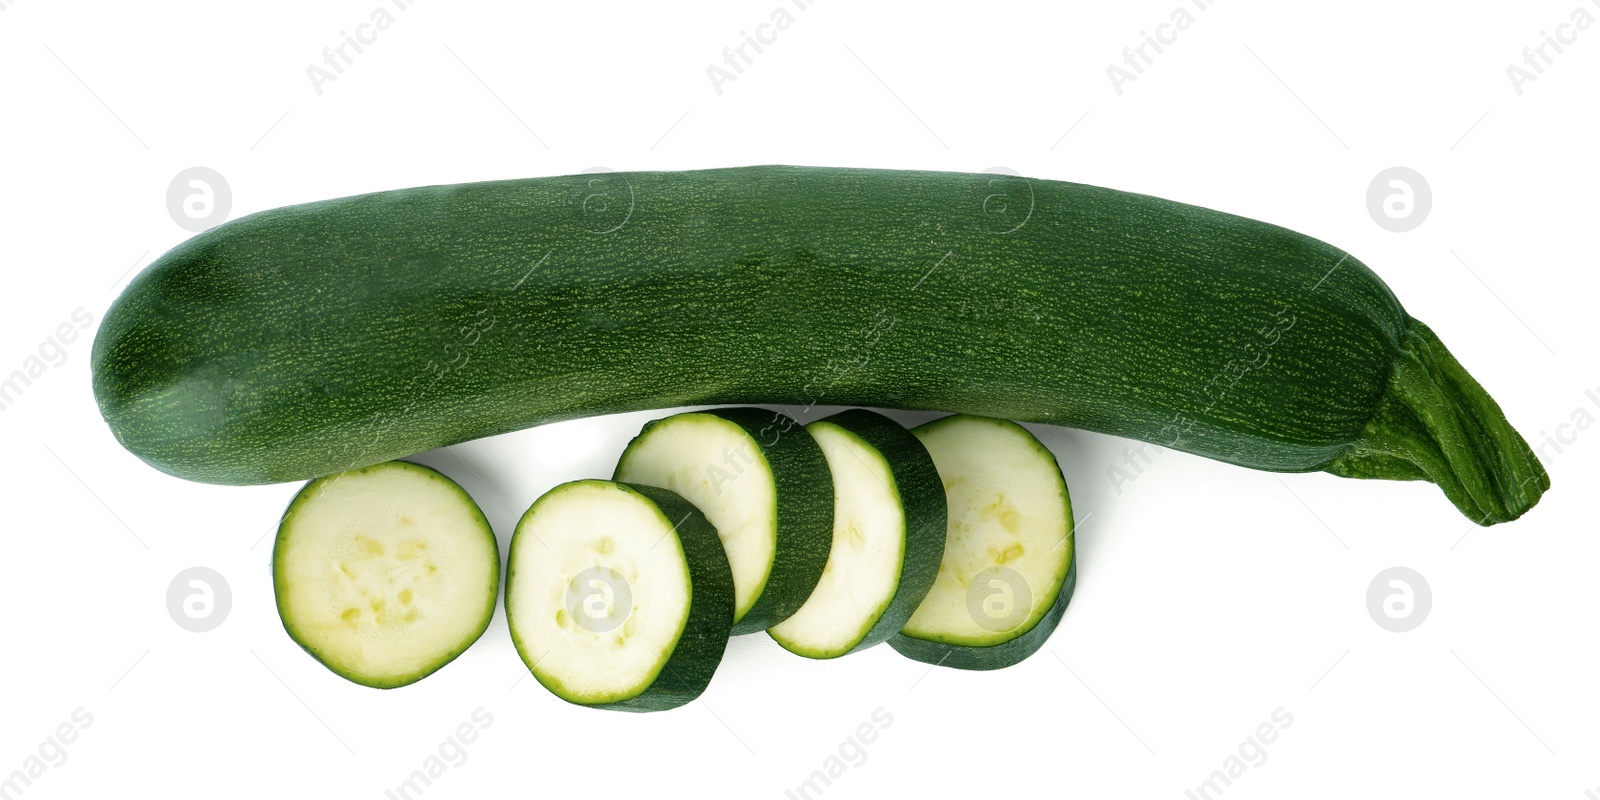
(1436, 423)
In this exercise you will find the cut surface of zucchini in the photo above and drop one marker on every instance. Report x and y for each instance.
(386, 573)
(888, 537)
(618, 596)
(1009, 564)
(763, 484)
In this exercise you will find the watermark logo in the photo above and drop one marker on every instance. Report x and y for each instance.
(1536, 57)
(599, 599)
(52, 352)
(1007, 200)
(846, 361)
(51, 753)
(1399, 599)
(734, 463)
(1399, 199)
(1134, 460)
(198, 599)
(335, 58)
(452, 752)
(606, 201)
(1555, 443)
(454, 355)
(1251, 753)
(736, 57)
(999, 599)
(199, 198)
(851, 753)
(1137, 58)
(1253, 356)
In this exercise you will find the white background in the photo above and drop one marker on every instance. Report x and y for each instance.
(1208, 595)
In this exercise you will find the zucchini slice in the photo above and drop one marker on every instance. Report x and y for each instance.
(763, 483)
(618, 596)
(386, 573)
(888, 537)
(1009, 563)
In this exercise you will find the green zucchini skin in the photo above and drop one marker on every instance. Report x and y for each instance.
(923, 504)
(998, 656)
(704, 639)
(944, 648)
(804, 511)
(316, 338)
(700, 647)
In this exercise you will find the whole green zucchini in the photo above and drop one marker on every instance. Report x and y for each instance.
(316, 338)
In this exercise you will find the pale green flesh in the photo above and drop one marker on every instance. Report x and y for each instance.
(864, 561)
(385, 573)
(585, 541)
(715, 465)
(1008, 509)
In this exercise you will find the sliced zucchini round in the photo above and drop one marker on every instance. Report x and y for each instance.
(888, 537)
(1009, 564)
(763, 483)
(386, 573)
(618, 596)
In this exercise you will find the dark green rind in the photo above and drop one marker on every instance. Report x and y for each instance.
(311, 339)
(922, 506)
(997, 656)
(804, 492)
(705, 635)
(704, 639)
(278, 581)
(1025, 642)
